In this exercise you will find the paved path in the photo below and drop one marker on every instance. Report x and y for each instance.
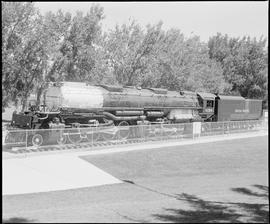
(50, 173)
(176, 183)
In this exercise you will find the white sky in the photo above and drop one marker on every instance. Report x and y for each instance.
(200, 18)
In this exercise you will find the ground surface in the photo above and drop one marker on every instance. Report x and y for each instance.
(210, 182)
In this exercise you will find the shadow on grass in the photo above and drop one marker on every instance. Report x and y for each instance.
(213, 211)
(246, 191)
(17, 220)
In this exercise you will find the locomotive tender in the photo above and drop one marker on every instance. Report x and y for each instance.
(75, 104)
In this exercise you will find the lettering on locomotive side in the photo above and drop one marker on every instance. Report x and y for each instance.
(241, 111)
(208, 110)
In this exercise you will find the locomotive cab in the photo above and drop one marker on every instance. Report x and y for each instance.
(207, 104)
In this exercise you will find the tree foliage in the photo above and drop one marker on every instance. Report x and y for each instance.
(22, 53)
(244, 62)
(37, 49)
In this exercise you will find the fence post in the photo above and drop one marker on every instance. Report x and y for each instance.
(26, 139)
(92, 137)
(196, 129)
(143, 132)
(4, 136)
(193, 130)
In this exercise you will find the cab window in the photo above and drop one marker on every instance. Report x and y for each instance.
(209, 103)
(201, 102)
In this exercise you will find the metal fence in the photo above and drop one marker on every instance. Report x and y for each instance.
(50, 139)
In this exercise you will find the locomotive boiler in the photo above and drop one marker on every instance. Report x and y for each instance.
(83, 104)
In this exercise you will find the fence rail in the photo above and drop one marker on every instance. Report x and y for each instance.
(50, 139)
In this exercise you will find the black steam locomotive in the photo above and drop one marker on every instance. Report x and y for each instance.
(80, 105)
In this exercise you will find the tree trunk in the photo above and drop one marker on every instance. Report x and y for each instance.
(24, 102)
(39, 93)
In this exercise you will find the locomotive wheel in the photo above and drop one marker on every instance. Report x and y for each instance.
(108, 133)
(7, 138)
(93, 134)
(61, 139)
(123, 133)
(180, 130)
(170, 132)
(74, 136)
(151, 131)
(37, 140)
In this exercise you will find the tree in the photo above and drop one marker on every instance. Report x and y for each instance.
(130, 49)
(78, 50)
(183, 64)
(57, 47)
(38, 49)
(244, 63)
(21, 53)
(55, 28)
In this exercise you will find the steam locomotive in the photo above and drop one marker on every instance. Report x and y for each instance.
(81, 105)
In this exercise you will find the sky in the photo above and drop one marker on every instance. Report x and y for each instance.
(204, 19)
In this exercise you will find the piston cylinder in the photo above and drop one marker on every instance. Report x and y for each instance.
(128, 113)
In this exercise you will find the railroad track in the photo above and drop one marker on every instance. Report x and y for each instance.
(82, 146)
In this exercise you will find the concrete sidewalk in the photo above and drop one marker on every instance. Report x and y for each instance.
(50, 173)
